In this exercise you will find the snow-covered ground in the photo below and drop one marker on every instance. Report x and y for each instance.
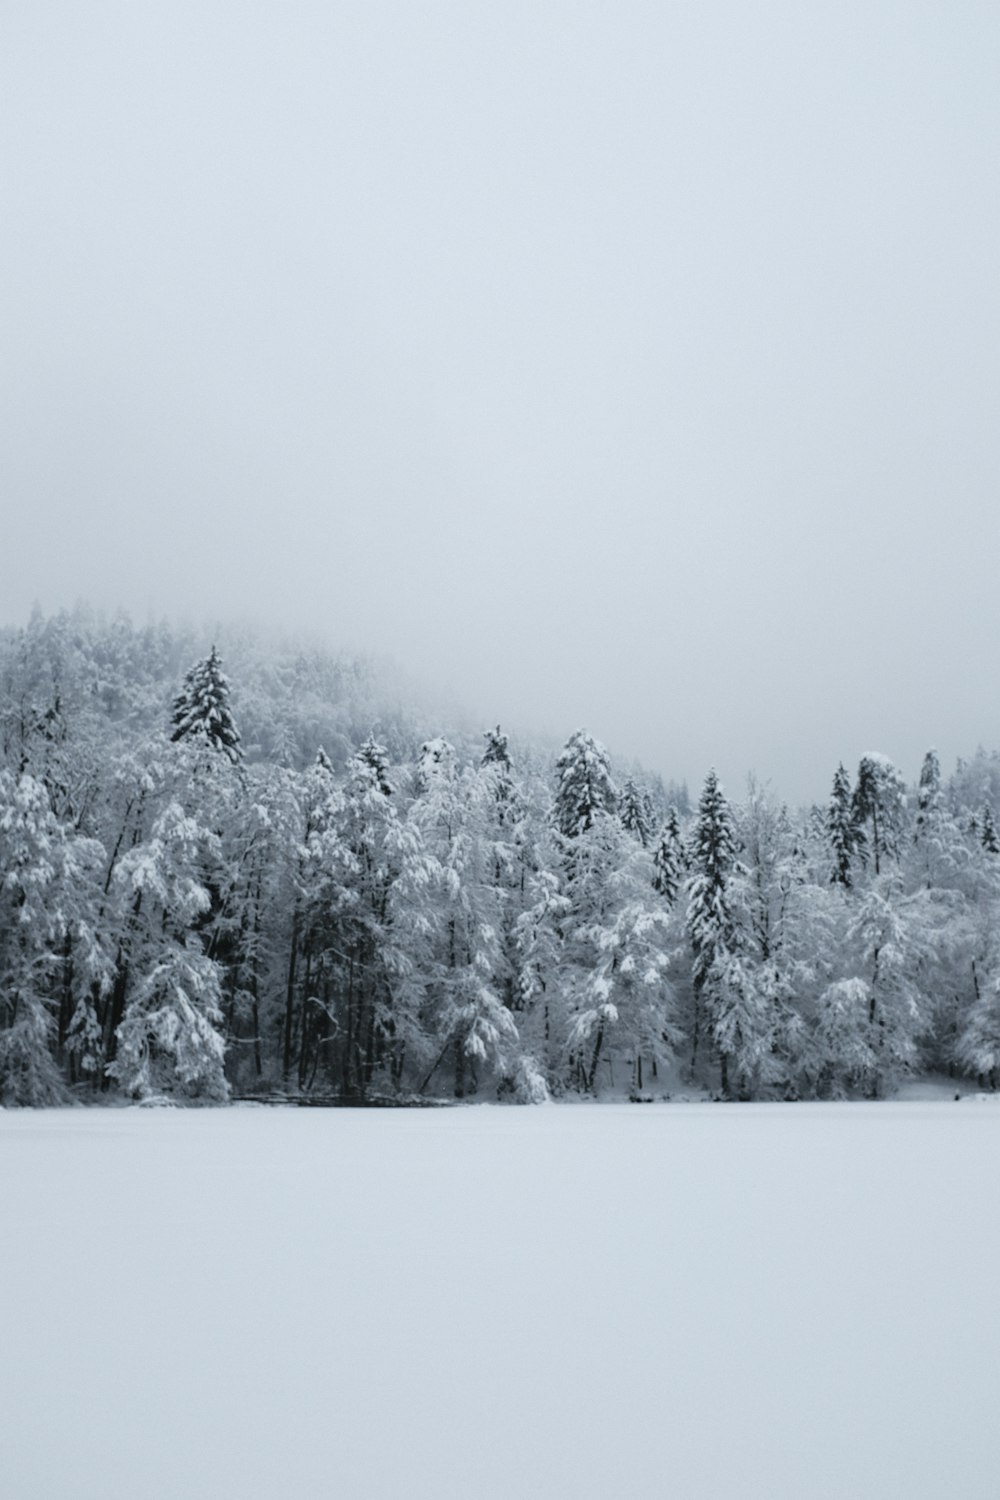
(695, 1300)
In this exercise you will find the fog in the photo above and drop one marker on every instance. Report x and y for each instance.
(632, 365)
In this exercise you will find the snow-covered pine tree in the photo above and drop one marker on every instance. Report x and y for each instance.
(878, 806)
(375, 756)
(357, 859)
(496, 763)
(584, 785)
(987, 831)
(841, 828)
(497, 752)
(633, 811)
(709, 921)
(668, 859)
(937, 857)
(201, 709)
(928, 791)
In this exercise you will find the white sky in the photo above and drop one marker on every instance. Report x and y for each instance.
(628, 365)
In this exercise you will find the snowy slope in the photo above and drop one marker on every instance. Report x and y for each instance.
(687, 1300)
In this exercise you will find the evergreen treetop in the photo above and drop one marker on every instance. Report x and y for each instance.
(842, 831)
(668, 859)
(201, 709)
(584, 788)
(634, 812)
(497, 752)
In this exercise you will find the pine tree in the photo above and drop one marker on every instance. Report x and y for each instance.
(497, 752)
(988, 832)
(928, 790)
(878, 804)
(376, 757)
(709, 920)
(841, 828)
(496, 763)
(584, 786)
(668, 859)
(201, 709)
(354, 856)
(633, 811)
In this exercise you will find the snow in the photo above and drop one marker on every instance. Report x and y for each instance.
(696, 1300)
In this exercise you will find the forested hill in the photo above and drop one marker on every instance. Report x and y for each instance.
(230, 869)
(99, 673)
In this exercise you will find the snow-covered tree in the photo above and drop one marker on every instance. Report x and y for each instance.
(842, 828)
(669, 859)
(584, 785)
(888, 949)
(169, 1038)
(878, 805)
(447, 955)
(633, 809)
(51, 956)
(201, 709)
(709, 921)
(497, 752)
(615, 958)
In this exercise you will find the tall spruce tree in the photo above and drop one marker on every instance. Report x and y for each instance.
(634, 813)
(497, 752)
(878, 806)
(201, 709)
(668, 859)
(841, 828)
(928, 790)
(584, 787)
(709, 921)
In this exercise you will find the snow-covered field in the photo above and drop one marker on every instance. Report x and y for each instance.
(767, 1301)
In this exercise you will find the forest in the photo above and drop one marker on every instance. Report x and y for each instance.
(238, 869)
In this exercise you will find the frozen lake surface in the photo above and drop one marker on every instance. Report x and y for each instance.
(768, 1301)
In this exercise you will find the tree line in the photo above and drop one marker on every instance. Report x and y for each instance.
(192, 911)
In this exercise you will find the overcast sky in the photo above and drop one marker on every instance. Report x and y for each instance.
(627, 365)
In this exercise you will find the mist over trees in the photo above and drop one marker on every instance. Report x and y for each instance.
(230, 869)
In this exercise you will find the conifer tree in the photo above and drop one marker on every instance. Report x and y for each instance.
(355, 855)
(376, 757)
(497, 752)
(634, 814)
(878, 808)
(497, 765)
(668, 859)
(928, 790)
(841, 828)
(201, 709)
(709, 921)
(584, 786)
(987, 831)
